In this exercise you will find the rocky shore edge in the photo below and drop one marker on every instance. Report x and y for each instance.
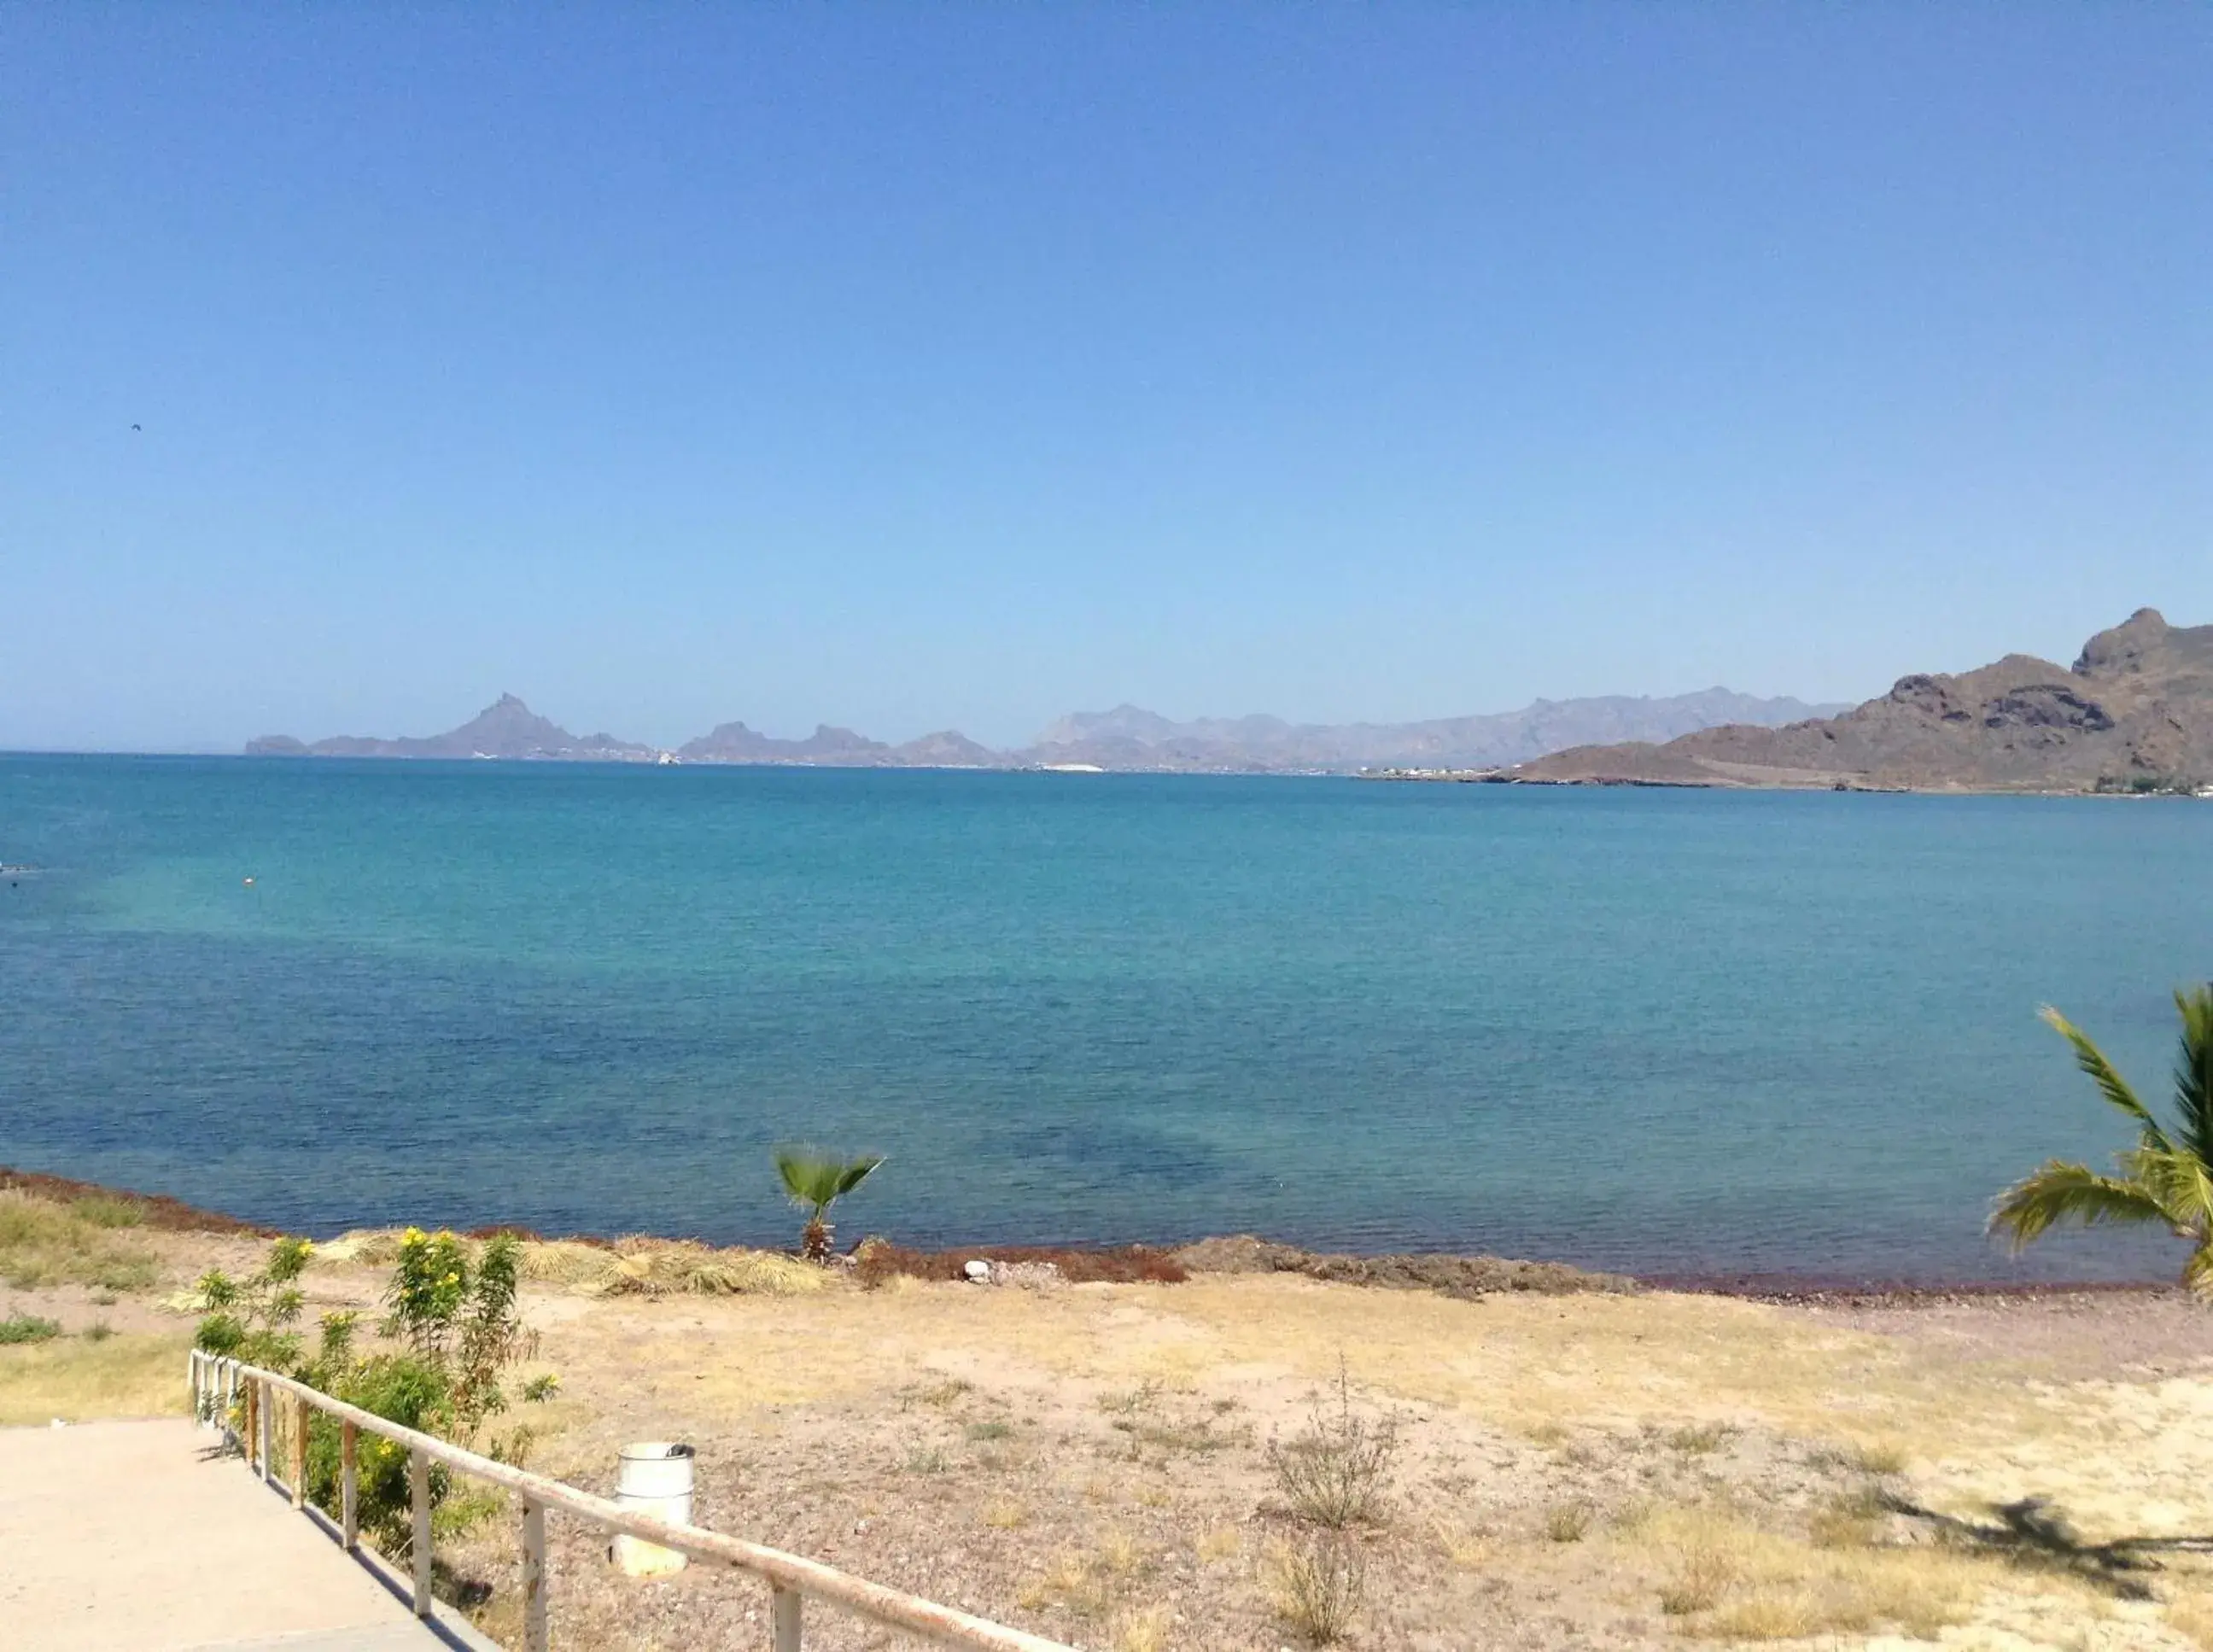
(1463, 1277)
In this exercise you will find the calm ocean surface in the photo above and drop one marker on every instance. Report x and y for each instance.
(1676, 1032)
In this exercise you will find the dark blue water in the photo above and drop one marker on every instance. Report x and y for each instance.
(1669, 1031)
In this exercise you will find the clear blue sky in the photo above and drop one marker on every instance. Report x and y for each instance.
(949, 365)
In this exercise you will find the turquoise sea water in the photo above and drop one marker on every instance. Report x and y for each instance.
(1676, 1032)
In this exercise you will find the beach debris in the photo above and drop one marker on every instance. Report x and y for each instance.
(1465, 1276)
(1023, 1276)
(878, 1259)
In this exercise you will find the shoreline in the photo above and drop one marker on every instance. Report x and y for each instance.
(1855, 784)
(1453, 1273)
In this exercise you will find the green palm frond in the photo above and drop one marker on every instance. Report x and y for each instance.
(816, 1179)
(2197, 1272)
(2102, 1073)
(2194, 1070)
(2179, 1181)
(2057, 1192)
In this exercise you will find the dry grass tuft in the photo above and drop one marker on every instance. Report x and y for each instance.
(367, 1248)
(1568, 1522)
(1006, 1515)
(1222, 1542)
(645, 1267)
(1119, 1553)
(1071, 1582)
(1703, 1571)
(1696, 1440)
(79, 1380)
(1333, 1472)
(1739, 1582)
(568, 1262)
(1881, 1457)
(1086, 1584)
(1315, 1582)
(1875, 1458)
(1466, 1546)
(107, 1210)
(1852, 1520)
(1144, 1632)
(44, 1243)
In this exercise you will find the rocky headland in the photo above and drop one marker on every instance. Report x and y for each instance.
(2134, 714)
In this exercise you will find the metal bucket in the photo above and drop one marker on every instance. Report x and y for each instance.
(655, 1478)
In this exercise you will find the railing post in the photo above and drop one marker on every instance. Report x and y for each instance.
(784, 1609)
(299, 1452)
(349, 1485)
(252, 1444)
(267, 1406)
(418, 1497)
(533, 1576)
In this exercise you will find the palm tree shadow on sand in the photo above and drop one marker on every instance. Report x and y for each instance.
(2032, 1532)
(2165, 1180)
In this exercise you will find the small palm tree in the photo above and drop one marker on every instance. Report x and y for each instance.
(816, 1181)
(2167, 1178)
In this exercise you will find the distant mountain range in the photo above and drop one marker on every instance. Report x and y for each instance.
(1126, 738)
(507, 728)
(2133, 713)
(1131, 738)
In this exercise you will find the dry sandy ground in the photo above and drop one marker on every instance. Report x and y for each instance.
(1090, 1462)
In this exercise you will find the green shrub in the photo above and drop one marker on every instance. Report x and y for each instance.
(451, 1335)
(254, 1319)
(28, 1327)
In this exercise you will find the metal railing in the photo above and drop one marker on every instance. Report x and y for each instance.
(222, 1386)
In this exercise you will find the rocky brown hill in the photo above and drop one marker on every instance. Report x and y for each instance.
(505, 728)
(2135, 712)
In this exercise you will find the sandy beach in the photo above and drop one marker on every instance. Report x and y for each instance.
(1574, 1466)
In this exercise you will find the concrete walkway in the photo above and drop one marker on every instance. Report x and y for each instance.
(133, 1537)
